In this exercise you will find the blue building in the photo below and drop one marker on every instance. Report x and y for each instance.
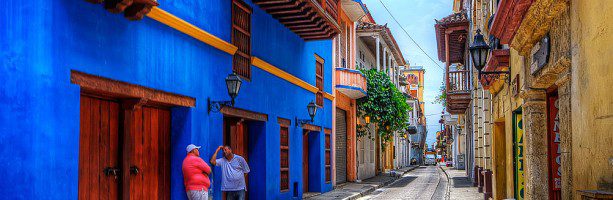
(99, 99)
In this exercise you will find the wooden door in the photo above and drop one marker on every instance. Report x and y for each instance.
(305, 161)
(500, 162)
(235, 135)
(99, 149)
(518, 154)
(147, 161)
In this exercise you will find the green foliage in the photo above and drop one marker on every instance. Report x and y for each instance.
(385, 105)
(442, 97)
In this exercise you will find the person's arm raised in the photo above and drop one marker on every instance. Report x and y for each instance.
(214, 157)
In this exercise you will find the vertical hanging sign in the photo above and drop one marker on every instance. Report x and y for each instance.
(519, 157)
(553, 121)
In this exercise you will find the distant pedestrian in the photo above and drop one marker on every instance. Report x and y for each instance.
(233, 170)
(196, 174)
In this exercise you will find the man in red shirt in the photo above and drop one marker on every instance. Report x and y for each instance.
(196, 174)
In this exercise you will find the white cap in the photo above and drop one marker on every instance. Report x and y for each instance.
(191, 147)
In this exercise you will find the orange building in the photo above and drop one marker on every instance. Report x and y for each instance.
(349, 85)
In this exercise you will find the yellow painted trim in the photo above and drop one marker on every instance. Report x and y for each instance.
(329, 96)
(191, 30)
(199, 34)
(282, 74)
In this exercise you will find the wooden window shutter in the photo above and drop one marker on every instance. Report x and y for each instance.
(284, 158)
(319, 81)
(328, 165)
(241, 38)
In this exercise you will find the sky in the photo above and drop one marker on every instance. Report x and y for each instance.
(417, 18)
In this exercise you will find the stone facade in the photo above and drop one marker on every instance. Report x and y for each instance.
(591, 98)
(577, 70)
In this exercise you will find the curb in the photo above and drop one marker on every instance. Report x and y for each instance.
(367, 192)
(448, 192)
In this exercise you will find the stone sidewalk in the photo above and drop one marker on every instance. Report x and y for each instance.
(460, 186)
(350, 191)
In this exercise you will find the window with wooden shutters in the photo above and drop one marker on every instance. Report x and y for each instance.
(328, 163)
(319, 80)
(284, 158)
(241, 38)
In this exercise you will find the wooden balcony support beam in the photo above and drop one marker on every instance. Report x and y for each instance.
(264, 2)
(291, 5)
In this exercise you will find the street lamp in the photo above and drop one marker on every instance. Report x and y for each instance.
(312, 109)
(233, 85)
(479, 50)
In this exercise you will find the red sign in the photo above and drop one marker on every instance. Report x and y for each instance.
(555, 173)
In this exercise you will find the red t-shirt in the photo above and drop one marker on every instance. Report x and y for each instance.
(195, 173)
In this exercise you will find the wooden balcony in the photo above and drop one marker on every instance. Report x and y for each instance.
(310, 19)
(351, 82)
(131, 9)
(458, 91)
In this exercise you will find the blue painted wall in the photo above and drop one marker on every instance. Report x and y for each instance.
(39, 117)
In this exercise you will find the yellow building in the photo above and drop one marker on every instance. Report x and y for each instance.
(543, 127)
(415, 87)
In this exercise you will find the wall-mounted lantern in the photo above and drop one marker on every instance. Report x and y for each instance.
(312, 109)
(367, 119)
(479, 51)
(233, 84)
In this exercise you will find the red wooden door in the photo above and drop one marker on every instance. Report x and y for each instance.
(133, 152)
(235, 135)
(305, 161)
(99, 149)
(147, 160)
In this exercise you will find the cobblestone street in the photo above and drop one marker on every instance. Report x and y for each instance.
(425, 182)
(429, 182)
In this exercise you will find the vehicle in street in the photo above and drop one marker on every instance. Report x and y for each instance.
(430, 159)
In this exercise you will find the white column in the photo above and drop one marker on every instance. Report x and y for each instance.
(378, 47)
(389, 63)
(384, 59)
(393, 72)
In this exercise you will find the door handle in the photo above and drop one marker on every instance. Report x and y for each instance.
(111, 171)
(134, 170)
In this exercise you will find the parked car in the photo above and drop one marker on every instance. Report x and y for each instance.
(430, 160)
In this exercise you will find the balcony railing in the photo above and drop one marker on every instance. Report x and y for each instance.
(458, 81)
(351, 83)
(458, 91)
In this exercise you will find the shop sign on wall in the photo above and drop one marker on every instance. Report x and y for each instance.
(540, 54)
(554, 144)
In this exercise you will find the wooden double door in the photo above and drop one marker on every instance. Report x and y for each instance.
(235, 135)
(124, 150)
